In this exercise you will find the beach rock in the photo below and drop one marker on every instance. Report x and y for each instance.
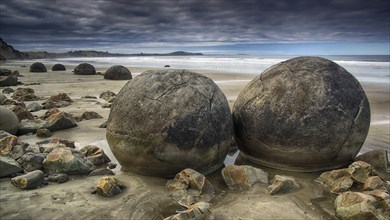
(107, 95)
(30, 180)
(87, 116)
(182, 121)
(34, 107)
(360, 171)
(8, 120)
(58, 178)
(32, 161)
(30, 126)
(11, 146)
(189, 187)
(379, 160)
(65, 160)
(7, 90)
(50, 112)
(304, 114)
(16, 73)
(104, 125)
(380, 195)
(9, 166)
(356, 205)
(282, 184)
(243, 177)
(5, 72)
(38, 67)
(56, 141)
(25, 94)
(21, 112)
(12, 102)
(111, 165)
(2, 98)
(84, 69)
(43, 133)
(106, 105)
(57, 101)
(336, 181)
(117, 72)
(200, 210)
(60, 121)
(8, 81)
(89, 97)
(374, 182)
(102, 172)
(109, 186)
(58, 67)
(95, 155)
(167, 66)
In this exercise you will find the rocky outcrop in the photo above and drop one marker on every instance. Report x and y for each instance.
(7, 52)
(282, 184)
(109, 186)
(29, 180)
(243, 177)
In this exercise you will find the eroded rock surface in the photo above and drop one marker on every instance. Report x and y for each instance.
(243, 177)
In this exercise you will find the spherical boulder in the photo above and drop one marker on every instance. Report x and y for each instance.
(118, 72)
(8, 120)
(84, 69)
(58, 67)
(305, 114)
(164, 121)
(38, 67)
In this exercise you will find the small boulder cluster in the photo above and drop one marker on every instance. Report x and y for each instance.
(8, 77)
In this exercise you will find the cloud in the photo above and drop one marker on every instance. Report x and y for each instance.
(90, 23)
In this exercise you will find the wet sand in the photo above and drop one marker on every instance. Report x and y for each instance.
(72, 200)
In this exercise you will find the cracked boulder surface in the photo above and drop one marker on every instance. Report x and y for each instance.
(164, 121)
(305, 114)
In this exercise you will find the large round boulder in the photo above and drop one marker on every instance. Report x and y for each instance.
(84, 69)
(58, 67)
(8, 120)
(118, 72)
(304, 114)
(38, 67)
(164, 121)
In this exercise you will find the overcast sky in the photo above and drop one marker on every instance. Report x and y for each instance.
(296, 27)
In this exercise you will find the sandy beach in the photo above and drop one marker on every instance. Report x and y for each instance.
(73, 200)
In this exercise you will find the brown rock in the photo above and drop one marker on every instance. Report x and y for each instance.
(43, 133)
(243, 177)
(374, 182)
(25, 94)
(30, 180)
(87, 116)
(282, 184)
(32, 161)
(379, 160)
(8, 80)
(107, 95)
(359, 171)
(95, 155)
(109, 186)
(57, 101)
(336, 181)
(380, 195)
(11, 146)
(21, 112)
(60, 121)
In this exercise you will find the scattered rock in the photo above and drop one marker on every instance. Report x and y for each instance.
(30, 180)
(30, 126)
(89, 97)
(57, 101)
(8, 120)
(15, 73)
(9, 167)
(34, 107)
(167, 66)
(282, 184)
(21, 112)
(58, 178)
(43, 133)
(84, 69)
(8, 90)
(106, 105)
(5, 72)
(11, 146)
(109, 186)
(379, 160)
(277, 110)
(95, 155)
(104, 125)
(12, 102)
(107, 95)
(102, 172)
(380, 195)
(175, 112)
(65, 160)
(243, 177)
(87, 116)
(356, 205)
(189, 187)
(58, 67)
(111, 165)
(374, 182)
(2, 98)
(60, 121)
(360, 171)
(117, 72)
(336, 181)
(8, 81)
(25, 94)
(56, 141)
(200, 210)
(32, 161)
(38, 67)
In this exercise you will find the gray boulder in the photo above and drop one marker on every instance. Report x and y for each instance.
(28, 126)
(9, 122)
(38, 67)
(2, 98)
(60, 121)
(8, 90)
(9, 166)
(164, 121)
(32, 161)
(58, 67)
(118, 72)
(8, 80)
(34, 107)
(84, 69)
(58, 178)
(95, 155)
(29, 180)
(304, 114)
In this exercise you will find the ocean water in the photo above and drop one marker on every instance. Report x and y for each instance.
(374, 69)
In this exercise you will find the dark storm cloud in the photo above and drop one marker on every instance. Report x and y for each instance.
(105, 23)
